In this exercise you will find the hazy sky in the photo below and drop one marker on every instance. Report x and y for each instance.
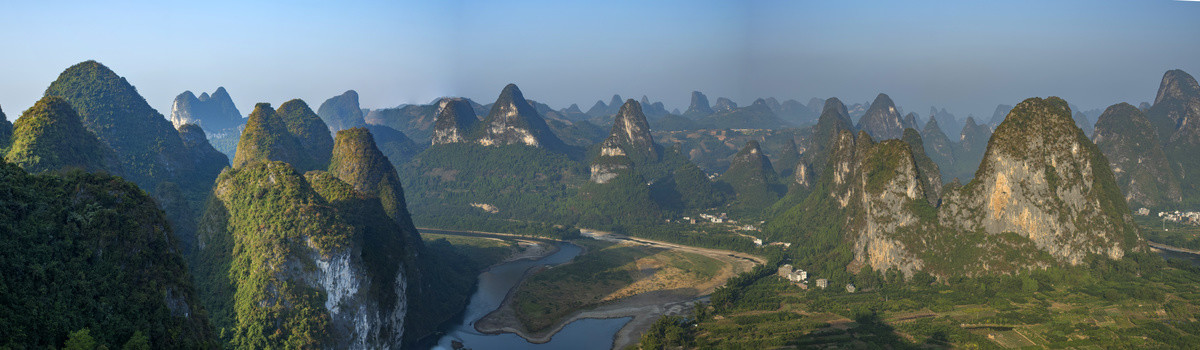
(965, 55)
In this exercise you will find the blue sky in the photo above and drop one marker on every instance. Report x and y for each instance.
(965, 55)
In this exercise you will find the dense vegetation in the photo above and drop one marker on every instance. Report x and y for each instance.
(49, 136)
(91, 253)
(148, 148)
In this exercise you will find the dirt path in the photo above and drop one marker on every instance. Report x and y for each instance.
(1171, 248)
(644, 308)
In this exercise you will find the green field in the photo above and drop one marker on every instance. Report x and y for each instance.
(1141, 301)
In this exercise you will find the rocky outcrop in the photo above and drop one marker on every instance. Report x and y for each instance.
(342, 111)
(341, 248)
(1044, 195)
(215, 113)
(833, 120)
(1042, 179)
(1131, 144)
(882, 120)
(878, 184)
(755, 116)
(699, 106)
(513, 121)
(629, 139)
(455, 118)
(931, 176)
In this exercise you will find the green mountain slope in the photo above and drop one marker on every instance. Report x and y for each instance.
(49, 136)
(89, 251)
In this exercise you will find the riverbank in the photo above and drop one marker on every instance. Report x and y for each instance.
(644, 308)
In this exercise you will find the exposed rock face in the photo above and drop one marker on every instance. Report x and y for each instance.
(834, 119)
(513, 121)
(882, 120)
(49, 137)
(803, 176)
(724, 105)
(1044, 195)
(342, 248)
(630, 138)
(1131, 144)
(877, 184)
(631, 132)
(455, 118)
(342, 111)
(931, 176)
(1044, 180)
(214, 113)
(699, 106)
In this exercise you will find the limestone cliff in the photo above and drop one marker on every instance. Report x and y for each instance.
(306, 262)
(513, 121)
(454, 120)
(1043, 195)
(882, 120)
(699, 106)
(215, 113)
(1042, 179)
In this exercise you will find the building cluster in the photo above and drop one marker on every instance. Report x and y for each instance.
(1183, 217)
(800, 278)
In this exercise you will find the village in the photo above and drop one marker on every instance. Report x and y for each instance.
(1182, 217)
(800, 278)
(723, 220)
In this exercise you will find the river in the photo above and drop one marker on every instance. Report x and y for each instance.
(494, 285)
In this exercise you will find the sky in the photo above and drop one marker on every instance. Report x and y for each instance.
(965, 56)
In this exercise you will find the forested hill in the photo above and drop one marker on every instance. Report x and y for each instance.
(89, 254)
